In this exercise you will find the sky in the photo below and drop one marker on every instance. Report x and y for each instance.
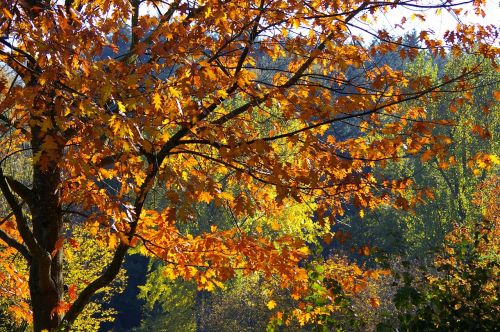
(438, 22)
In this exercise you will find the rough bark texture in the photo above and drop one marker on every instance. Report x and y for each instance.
(46, 274)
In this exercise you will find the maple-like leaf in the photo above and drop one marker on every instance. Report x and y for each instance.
(271, 304)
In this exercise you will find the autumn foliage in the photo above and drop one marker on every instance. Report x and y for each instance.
(233, 103)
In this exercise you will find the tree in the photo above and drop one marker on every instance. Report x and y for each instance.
(411, 241)
(85, 261)
(178, 109)
(459, 290)
(451, 181)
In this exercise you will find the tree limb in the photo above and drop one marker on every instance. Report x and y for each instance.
(11, 242)
(21, 222)
(23, 191)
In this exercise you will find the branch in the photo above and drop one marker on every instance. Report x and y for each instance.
(165, 18)
(114, 267)
(21, 222)
(24, 192)
(15, 65)
(28, 56)
(78, 213)
(11, 242)
(134, 22)
(365, 113)
(292, 80)
(106, 278)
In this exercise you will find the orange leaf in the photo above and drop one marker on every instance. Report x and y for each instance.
(72, 292)
(375, 302)
(57, 246)
(496, 95)
(74, 243)
(7, 13)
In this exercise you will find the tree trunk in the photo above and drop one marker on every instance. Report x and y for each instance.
(202, 310)
(46, 277)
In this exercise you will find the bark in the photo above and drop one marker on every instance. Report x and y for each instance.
(201, 304)
(46, 277)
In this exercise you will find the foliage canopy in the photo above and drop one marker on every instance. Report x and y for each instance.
(109, 101)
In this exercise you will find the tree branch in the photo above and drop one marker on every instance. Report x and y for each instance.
(22, 224)
(24, 192)
(292, 80)
(103, 280)
(11, 242)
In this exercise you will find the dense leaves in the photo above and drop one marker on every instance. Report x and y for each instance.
(460, 291)
(228, 103)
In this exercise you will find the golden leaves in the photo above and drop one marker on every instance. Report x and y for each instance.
(210, 119)
(157, 102)
(482, 161)
(324, 300)
(174, 92)
(205, 197)
(220, 253)
(271, 304)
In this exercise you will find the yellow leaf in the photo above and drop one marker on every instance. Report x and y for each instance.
(121, 107)
(157, 101)
(494, 159)
(169, 273)
(113, 241)
(42, 80)
(303, 250)
(174, 92)
(271, 305)
(210, 286)
(222, 94)
(205, 197)
(219, 284)
(362, 214)
(227, 196)
(7, 13)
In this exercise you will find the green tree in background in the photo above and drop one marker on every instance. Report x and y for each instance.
(449, 182)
